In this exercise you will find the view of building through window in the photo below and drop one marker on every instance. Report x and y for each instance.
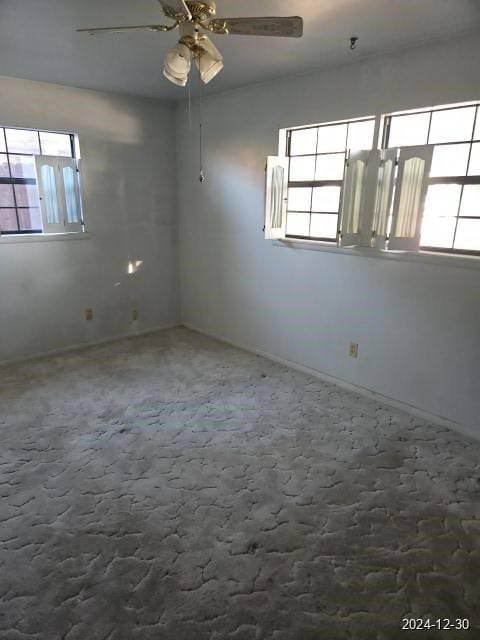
(19, 197)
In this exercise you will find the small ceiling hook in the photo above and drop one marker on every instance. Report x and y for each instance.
(353, 43)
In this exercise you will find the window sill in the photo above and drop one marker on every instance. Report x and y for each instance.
(46, 237)
(425, 257)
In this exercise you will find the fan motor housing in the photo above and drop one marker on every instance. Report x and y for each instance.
(201, 11)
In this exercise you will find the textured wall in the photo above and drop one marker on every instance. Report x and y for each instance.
(127, 146)
(417, 324)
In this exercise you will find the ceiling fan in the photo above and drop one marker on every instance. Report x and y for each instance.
(193, 19)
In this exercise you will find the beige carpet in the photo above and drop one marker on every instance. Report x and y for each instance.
(172, 487)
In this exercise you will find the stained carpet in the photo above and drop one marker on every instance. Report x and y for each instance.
(173, 487)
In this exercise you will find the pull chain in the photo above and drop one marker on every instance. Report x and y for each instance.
(190, 123)
(202, 174)
(200, 118)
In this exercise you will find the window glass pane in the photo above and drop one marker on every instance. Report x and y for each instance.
(326, 199)
(6, 195)
(474, 167)
(360, 135)
(30, 219)
(22, 141)
(468, 235)
(298, 224)
(4, 172)
(8, 220)
(76, 144)
(299, 199)
(303, 142)
(330, 167)
(50, 193)
(73, 215)
(450, 160)
(302, 169)
(55, 144)
(2, 141)
(438, 232)
(409, 130)
(470, 200)
(442, 200)
(26, 195)
(332, 138)
(22, 166)
(324, 226)
(476, 135)
(452, 125)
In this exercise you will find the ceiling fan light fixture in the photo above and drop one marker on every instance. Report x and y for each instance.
(177, 64)
(209, 68)
(192, 18)
(179, 81)
(209, 60)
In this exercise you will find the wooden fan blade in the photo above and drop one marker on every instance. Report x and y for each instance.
(291, 27)
(144, 27)
(176, 9)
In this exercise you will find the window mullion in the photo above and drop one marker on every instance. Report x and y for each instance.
(311, 196)
(314, 183)
(457, 217)
(463, 185)
(16, 206)
(429, 127)
(376, 132)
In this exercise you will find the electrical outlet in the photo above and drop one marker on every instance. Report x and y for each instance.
(88, 314)
(134, 315)
(353, 351)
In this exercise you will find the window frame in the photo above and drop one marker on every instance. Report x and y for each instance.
(10, 180)
(321, 183)
(458, 180)
(382, 124)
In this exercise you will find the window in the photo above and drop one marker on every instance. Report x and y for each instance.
(317, 157)
(451, 218)
(39, 182)
(419, 190)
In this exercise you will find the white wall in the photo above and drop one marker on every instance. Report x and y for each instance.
(127, 148)
(418, 325)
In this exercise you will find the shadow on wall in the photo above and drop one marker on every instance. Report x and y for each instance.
(110, 117)
(239, 190)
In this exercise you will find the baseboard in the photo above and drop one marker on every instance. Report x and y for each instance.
(87, 345)
(348, 386)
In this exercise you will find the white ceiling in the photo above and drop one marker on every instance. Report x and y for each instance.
(38, 39)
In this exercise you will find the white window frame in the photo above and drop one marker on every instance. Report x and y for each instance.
(462, 179)
(284, 138)
(381, 196)
(63, 228)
